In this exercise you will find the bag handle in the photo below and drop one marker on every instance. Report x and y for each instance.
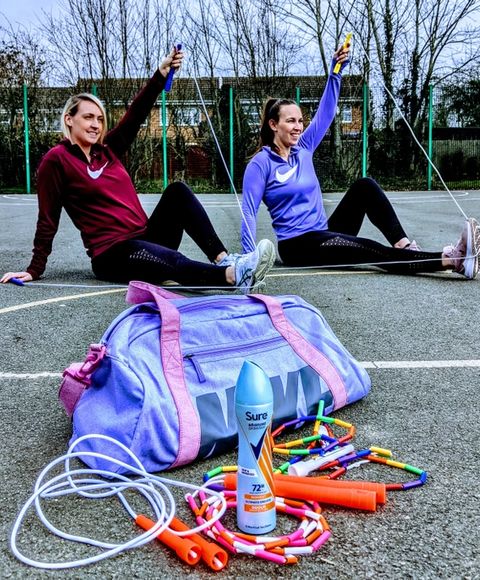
(305, 350)
(172, 362)
(139, 292)
(77, 378)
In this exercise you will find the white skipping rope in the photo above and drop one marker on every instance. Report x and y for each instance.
(87, 483)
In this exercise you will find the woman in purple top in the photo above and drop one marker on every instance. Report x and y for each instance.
(83, 174)
(282, 175)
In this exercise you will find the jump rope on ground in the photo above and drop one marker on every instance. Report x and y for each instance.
(296, 494)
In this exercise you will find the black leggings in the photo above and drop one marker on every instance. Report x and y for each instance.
(154, 256)
(339, 245)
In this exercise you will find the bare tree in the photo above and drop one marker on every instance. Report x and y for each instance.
(231, 39)
(112, 46)
(415, 45)
(22, 62)
(406, 45)
(107, 39)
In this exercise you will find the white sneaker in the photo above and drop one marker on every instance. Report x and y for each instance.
(251, 268)
(229, 260)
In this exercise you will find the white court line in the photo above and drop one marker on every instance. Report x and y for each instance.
(416, 201)
(17, 196)
(421, 197)
(422, 364)
(379, 365)
(32, 203)
(26, 305)
(58, 299)
(427, 196)
(213, 204)
(42, 375)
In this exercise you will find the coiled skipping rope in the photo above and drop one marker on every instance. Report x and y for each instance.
(82, 482)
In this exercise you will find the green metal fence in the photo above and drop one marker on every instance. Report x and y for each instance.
(362, 146)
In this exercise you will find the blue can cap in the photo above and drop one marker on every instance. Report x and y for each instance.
(253, 386)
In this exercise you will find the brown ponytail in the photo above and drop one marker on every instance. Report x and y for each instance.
(271, 110)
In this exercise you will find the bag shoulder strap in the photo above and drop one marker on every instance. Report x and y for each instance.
(139, 292)
(172, 362)
(305, 350)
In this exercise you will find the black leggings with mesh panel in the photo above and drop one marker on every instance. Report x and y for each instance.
(155, 257)
(340, 245)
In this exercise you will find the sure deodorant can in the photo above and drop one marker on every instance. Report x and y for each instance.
(255, 488)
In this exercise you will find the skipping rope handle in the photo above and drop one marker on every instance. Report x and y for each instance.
(171, 72)
(346, 43)
(190, 548)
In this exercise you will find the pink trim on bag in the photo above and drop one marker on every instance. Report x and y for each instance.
(77, 378)
(305, 350)
(139, 292)
(172, 362)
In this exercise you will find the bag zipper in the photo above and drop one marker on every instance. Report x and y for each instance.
(192, 304)
(193, 356)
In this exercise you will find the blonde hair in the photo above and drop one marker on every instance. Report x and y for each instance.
(71, 107)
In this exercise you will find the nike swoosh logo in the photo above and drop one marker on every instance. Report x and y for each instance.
(283, 177)
(96, 174)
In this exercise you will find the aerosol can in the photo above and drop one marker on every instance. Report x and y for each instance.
(255, 489)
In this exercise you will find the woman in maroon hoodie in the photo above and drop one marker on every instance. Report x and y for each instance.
(83, 174)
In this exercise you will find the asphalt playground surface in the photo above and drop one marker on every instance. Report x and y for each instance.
(417, 336)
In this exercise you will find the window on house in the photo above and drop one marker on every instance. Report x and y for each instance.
(187, 116)
(453, 120)
(347, 116)
(160, 116)
(253, 116)
(4, 117)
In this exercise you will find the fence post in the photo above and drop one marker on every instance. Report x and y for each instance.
(365, 130)
(164, 140)
(230, 132)
(430, 137)
(297, 95)
(27, 136)
(94, 90)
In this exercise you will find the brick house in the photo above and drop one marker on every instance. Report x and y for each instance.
(189, 139)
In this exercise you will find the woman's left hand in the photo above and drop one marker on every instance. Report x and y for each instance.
(173, 60)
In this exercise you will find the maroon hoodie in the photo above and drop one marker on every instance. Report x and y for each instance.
(99, 196)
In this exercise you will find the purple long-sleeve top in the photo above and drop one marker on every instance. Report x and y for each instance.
(290, 188)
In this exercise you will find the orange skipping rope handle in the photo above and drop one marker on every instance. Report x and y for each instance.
(186, 550)
(214, 556)
(360, 499)
(380, 489)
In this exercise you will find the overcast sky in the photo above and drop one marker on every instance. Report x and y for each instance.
(26, 12)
